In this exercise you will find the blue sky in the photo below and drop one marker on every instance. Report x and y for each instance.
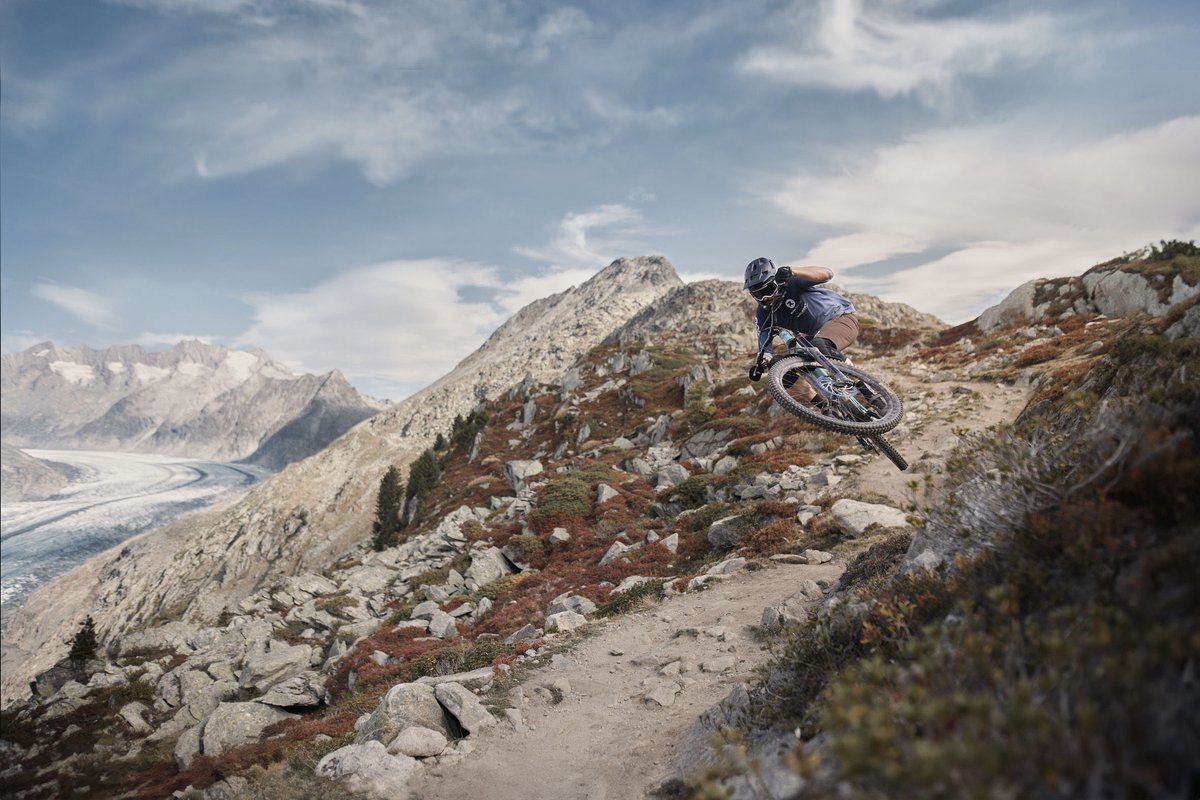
(375, 186)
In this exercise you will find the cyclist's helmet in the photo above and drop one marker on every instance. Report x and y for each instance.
(761, 280)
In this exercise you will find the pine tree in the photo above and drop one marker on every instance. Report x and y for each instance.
(388, 506)
(83, 646)
(422, 477)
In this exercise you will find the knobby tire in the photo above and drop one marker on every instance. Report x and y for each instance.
(888, 419)
(892, 453)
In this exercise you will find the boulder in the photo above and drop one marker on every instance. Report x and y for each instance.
(486, 566)
(853, 517)
(442, 625)
(418, 742)
(232, 724)
(705, 444)
(369, 767)
(565, 621)
(727, 532)
(604, 493)
(304, 690)
(617, 550)
(474, 679)
(1017, 307)
(404, 705)
(671, 476)
(132, 713)
(424, 610)
(461, 703)
(571, 602)
(187, 747)
(559, 536)
(515, 472)
(272, 662)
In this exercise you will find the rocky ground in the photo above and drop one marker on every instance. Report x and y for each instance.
(557, 618)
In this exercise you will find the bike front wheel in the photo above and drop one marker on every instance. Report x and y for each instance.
(862, 405)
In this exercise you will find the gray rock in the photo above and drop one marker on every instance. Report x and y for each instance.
(817, 556)
(418, 742)
(727, 567)
(617, 550)
(132, 714)
(725, 465)
(526, 634)
(639, 466)
(1016, 308)
(424, 610)
(303, 690)
(464, 706)
(232, 724)
(571, 602)
(369, 767)
(442, 625)
(404, 705)
(486, 566)
(705, 444)
(356, 631)
(727, 532)
(663, 694)
(475, 679)
(559, 536)
(231, 788)
(1188, 326)
(187, 747)
(565, 621)
(719, 664)
(516, 472)
(671, 543)
(604, 493)
(853, 517)
(671, 476)
(630, 582)
(272, 662)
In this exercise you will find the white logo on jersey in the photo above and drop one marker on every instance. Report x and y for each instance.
(790, 303)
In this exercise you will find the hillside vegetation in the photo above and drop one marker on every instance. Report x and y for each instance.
(1020, 619)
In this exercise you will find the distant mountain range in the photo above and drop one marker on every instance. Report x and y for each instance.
(195, 400)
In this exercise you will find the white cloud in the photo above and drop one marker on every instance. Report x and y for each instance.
(384, 86)
(391, 328)
(992, 206)
(589, 239)
(890, 49)
(89, 307)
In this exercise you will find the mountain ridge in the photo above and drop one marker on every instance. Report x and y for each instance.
(194, 399)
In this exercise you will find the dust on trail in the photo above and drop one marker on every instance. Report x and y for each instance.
(604, 741)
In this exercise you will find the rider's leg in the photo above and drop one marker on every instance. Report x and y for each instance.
(841, 332)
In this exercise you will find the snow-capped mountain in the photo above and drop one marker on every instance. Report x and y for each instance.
(196, 400)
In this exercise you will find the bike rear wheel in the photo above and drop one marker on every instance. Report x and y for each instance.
(864, 405)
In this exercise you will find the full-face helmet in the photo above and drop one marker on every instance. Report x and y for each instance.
(762, 281)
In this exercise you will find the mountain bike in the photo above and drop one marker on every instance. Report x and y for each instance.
(852, 401)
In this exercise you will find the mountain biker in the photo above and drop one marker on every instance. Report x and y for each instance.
(792, 298)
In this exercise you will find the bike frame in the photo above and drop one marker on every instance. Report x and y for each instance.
(815, 356)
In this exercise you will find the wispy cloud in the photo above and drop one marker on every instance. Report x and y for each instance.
(89, 307)
(992, 206)
(896, 49)
(385, 86)
(587, 238)
(391, 328)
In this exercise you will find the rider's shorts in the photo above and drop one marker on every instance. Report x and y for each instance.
(842, 331)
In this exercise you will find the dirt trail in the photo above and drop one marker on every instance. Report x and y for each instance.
(604, 741)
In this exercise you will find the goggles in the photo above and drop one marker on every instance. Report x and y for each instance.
(766, 291)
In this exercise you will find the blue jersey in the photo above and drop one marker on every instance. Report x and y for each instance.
(804, 308)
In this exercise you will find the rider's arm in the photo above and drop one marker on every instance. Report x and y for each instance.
(812, 275)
